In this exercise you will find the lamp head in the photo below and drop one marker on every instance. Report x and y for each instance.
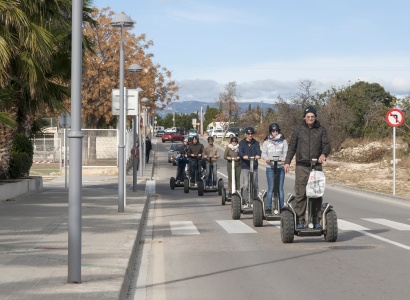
(122, 20)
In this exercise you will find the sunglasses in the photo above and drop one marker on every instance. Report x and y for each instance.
(274, 130)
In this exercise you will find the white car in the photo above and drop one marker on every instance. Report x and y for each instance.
(217, 133)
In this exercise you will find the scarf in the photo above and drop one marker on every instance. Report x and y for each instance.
(276, 140)
(234, 148)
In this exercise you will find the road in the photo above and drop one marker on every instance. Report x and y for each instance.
(192, 249)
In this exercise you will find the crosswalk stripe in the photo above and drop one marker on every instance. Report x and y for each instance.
(274, 223)
(183, 228)
(344, 225)
(388, 223)
(235, 226)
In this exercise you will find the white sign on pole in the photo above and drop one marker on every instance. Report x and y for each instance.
(193, 122)
(131, 102)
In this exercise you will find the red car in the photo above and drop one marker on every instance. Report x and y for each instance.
(172, 137)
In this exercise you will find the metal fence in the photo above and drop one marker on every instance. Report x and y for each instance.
(99, 149)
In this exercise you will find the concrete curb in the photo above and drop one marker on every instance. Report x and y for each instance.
(133, 256)
(10, 189)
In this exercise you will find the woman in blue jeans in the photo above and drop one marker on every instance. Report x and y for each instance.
(274, 145)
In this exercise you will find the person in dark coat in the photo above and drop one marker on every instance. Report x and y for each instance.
(148, 147)
(309, 140)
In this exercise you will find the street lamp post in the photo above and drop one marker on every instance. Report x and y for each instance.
(144, 100)
(121, 21)
(135, 68)
(142, 143)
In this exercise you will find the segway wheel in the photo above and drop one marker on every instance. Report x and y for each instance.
(172, 183)
(330, 231)
(257, 213)
(200, 188)
(236, 207)
(220, 186)
(186, 186)
(287, 227)
(223, 196)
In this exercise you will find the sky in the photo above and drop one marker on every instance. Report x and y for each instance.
(268, 47)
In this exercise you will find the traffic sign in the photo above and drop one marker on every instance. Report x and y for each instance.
(222, 123)
(394, 117)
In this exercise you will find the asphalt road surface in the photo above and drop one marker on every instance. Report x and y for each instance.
(192, 249)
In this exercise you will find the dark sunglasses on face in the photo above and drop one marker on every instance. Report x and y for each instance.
(274, 130)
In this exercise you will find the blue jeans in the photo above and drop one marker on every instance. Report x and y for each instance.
(270, 177)
(208, 173)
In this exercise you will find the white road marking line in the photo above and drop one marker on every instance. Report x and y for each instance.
(183, 228)
(235, 226)
(344, 225)
(274, 223)
(222, 174)
(388, 223)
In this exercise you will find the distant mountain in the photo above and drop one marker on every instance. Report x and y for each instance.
(188, 107)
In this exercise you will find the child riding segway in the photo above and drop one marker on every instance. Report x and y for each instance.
(233, 168)
(249, 152)
(182, 162)
(195, 181)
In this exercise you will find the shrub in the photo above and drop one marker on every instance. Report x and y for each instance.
(21, 156)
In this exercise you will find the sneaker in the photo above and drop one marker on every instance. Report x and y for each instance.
(268, 211)
(177, 182)
(207, 187)
(229, 195)
(192, 183)
(301, 224)
(246, 205)
(318, 226)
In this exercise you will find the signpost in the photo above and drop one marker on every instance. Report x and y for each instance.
(394, 117)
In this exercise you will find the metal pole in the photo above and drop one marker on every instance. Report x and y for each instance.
(261, 112)
(394, 161)
(134, 135)
(145, 134)
(75, 136)
(121, 146)
(65, 156)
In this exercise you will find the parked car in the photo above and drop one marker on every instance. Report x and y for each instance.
(172, 137)
(173, 153)
(220, 133)
(159, 133)
(237, 130)
(192, 133)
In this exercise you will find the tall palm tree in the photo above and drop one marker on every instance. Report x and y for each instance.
(35, 45)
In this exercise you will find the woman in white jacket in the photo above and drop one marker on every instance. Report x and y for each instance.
(274, 145)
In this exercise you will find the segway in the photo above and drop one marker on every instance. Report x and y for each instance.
(219, 185)
(173, 183)
(259, 213)
(237, 203)
(327, 216)
(199, 184)
(226, 197)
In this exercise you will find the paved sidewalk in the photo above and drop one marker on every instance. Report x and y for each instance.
(34, 242)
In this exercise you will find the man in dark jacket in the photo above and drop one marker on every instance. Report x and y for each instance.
(249, 147)
(309, 140)
(148, 147)
(195, 159)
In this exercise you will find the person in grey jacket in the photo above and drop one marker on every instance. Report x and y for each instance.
(309, 140)
(274, 145)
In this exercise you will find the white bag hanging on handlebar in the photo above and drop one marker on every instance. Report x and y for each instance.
(316, 184)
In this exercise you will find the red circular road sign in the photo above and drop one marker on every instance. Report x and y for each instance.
(395, 117)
